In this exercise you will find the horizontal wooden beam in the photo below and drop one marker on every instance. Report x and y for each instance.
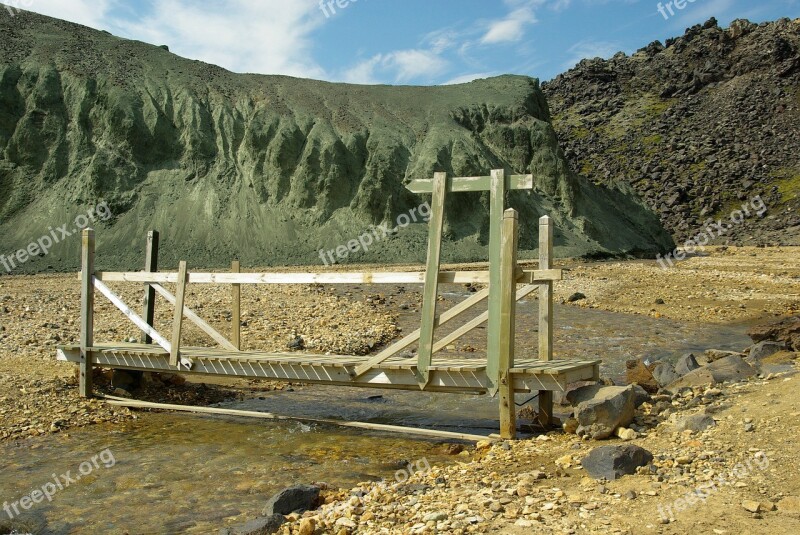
(471, 183)
(412, 277)
(123, 402)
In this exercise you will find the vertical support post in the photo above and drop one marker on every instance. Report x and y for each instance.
(236, 313)
(177, 324)
(431, 290)
(505, 350)
(497, 199)
(150, 266)
(545, 316)
(87, 312)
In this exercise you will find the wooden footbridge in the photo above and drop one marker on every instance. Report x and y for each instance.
(499, 372)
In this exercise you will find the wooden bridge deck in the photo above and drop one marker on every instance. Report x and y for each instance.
(447, 374)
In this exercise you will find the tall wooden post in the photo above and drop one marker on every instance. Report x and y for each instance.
(177, 323)
(497, 199)
(87, 312)
(505, 349)
(545, 316)
(431, 290)
(236, 313)
(150, 266)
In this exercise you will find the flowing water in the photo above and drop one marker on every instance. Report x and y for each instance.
(178, 473)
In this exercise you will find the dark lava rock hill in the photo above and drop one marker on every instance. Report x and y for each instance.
(269, 169)
(698, 126)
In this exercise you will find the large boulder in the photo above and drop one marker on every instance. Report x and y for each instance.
(728, 369)
(293, 499)
(613, 462)
(601, 409)
(637, 372)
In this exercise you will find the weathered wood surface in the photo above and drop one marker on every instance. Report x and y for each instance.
(430, 293)
(472, 183)
(87, 312)
(150, 266)
(497, 202)
(123, 402)
(508, 264)
(177, 321)
(545, 316)
(132, 316)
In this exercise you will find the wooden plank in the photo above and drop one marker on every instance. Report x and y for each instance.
(467, 327)
(87, 312)
(431, 290)
(444, 277)
(236, 313)
(150, 266)
(508, 265)
(545, 415)
(497, 202)
(131, 315)
(177, 322)
(471, 183)
(541, 275)
(123, 402)
(197, 320)
(409, 339)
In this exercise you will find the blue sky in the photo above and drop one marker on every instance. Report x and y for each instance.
(419, 42)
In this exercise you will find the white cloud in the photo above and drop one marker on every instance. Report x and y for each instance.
(511, 28)
(402, 66)
(265, 37)
(86, 12)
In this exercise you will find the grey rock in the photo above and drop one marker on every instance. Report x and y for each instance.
(732, 368)
(686, 364)
(664, 373)
(613, 462)
(577, 296)
(289, 500)
(640, 396)
(695, 422)
(601, 409)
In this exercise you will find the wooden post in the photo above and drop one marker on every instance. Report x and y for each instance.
(177, 324)
(87, 312)
(150, 266)
(545, 316)
(505, 349)
(497, 195)
(431, 290)
(236, 314)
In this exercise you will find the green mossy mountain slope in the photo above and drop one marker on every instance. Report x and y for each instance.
(269, 169)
